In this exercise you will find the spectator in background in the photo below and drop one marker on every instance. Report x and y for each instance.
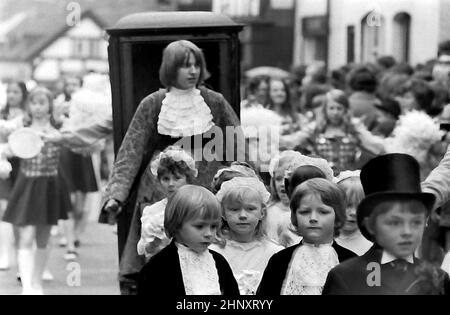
(363, 83)
(280, 103)
(388, 113)
(385, 63)
(257, 92)
(416, 94)
(390, 84)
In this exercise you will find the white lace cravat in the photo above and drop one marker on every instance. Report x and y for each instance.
(308, 269)
(184, 113)
(199, 272)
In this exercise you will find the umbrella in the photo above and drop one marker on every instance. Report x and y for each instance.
(275, 73)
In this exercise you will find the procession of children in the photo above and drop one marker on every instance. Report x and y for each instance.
(342, 208)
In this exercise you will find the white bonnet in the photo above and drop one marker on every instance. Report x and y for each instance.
(244, 182)
(177, 154)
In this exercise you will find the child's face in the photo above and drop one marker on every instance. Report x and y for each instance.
(172, 182)
(14, 95)
(197, 234)
(350, 226)
(399, 231)
(335, 113)
(407, 102)
(277, 92)
(279, 186)
(39, 106)
(243, 216)
(315, 220)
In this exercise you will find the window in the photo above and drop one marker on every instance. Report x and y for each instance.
(372, 36)
(350, 44)
(401, 36)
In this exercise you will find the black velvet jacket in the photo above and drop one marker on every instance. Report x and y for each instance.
(162, 276)
(277, 268)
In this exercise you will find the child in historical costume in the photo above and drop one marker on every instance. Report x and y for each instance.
(350, 236)
(39, 197)
(392, 215)
(278, 223)
(318, 212)
(245, 246)
(186, 266)
(174, 168)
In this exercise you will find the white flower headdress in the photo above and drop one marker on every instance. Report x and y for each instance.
(237, 183)
(177, 154)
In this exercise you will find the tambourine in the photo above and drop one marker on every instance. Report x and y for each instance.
(25, 143)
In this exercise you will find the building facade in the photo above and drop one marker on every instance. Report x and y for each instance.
(343, 31)
(269, 28)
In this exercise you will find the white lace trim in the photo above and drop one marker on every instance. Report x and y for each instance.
(184, 113)
(200, 276)
(309, 269)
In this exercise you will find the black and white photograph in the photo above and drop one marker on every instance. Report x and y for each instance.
(222, 155)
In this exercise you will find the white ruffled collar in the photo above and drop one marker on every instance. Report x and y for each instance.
(200, 276)
(309, 269)
(184, 113)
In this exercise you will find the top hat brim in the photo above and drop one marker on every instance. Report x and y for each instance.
(367, 205)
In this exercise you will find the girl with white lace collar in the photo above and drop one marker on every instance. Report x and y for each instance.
(317, 211)
(245, 246)
(186, 266)
(173, 168)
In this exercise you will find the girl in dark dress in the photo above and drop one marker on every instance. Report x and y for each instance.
(39, 197)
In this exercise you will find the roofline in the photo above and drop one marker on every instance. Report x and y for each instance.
(86, 14)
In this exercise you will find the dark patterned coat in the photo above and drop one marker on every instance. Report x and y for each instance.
(140, 144)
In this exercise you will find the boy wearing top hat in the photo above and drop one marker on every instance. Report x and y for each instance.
(393, 216)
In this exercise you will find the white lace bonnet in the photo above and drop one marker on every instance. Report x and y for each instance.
(177, 154)
(244, 182)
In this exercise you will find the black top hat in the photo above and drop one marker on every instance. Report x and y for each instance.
(388, 177)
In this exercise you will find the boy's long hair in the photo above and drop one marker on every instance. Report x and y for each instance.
(190, 202)
(329, 193)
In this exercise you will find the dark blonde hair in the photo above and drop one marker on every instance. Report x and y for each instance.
(190, 202)
(49, 95)
(337, 96)
(175, 56)
(329, 193)
(238, 196)
(353, 189)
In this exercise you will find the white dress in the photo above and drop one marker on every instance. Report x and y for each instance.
(152, 229)
(308, 269)
(200, 276)
(279, 227)
(356, 242)
(248, 261)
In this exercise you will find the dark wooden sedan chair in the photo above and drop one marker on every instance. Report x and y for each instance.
(135, 50)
